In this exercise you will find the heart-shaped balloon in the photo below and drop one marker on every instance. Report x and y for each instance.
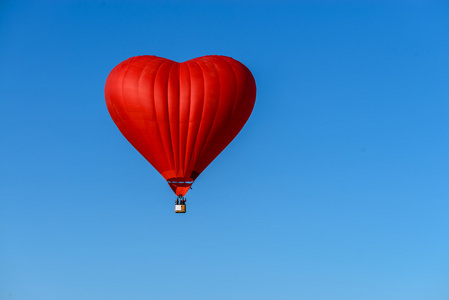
(180, 116)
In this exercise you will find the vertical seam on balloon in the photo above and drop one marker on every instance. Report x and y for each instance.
(180, 162)
(161, 140)
(109, 104)
(170, 153)
(237, 97)
(186, 162)
(169, 121)
(122, 85)
(138, 82)
(144, 68)
(116, 113)
(122, 97)
(199, 126)
(235, 86)
(113, 107)
(138, 95)
(155, 114)
(234, 98)
(203, 146)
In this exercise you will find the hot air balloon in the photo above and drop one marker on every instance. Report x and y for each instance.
(180, 116)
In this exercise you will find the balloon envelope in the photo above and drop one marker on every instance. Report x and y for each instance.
(180, 116)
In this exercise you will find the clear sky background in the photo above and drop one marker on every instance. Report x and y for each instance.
(337, 188)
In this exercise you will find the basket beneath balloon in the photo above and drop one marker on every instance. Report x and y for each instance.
(180, 208)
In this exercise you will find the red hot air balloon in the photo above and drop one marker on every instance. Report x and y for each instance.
(180, 116)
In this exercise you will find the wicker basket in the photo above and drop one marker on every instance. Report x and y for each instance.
(180, 208)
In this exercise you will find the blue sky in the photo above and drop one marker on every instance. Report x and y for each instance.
(336, 188)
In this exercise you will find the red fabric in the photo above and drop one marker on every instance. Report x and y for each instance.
(180, 116)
